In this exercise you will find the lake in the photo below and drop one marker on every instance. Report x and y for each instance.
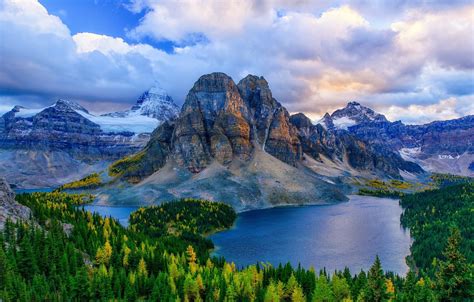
(333, 236)
(121, 213)
(20, 191)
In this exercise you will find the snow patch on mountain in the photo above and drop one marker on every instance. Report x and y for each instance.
(23, 112)
(130, 123)
(343, 122)
(409, 153)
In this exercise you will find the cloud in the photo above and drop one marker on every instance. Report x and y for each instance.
(316, 56)
(40, 57)
(443, 110)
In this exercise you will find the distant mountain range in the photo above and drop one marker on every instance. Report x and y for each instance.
(236, 143)
(230, 142)
(441, 146)
(51, 145)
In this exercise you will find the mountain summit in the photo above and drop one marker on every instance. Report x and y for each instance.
(154, 103)
(354, 113)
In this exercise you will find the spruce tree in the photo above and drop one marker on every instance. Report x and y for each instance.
(376, 289)
(454, 280)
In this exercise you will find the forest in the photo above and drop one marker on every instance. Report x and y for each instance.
(431, 215)
(68, 254)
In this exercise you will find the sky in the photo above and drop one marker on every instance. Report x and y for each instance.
(410, 60)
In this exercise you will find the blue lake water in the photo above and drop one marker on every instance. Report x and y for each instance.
(345, 234)
(332, 236)
(19, 191)
(120, 213)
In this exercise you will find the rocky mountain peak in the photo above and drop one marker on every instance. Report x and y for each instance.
(221, 121)
(355, 113)
(214, 94)
(62, 104)
(300, 120)
(213, 124)
(257, 95)
(154, 103)
(17, 108)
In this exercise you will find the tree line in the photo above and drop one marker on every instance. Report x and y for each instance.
(65, 253)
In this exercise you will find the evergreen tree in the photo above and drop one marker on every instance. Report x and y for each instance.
(340, 288)
(454, 276)
(376, 289)
(322, 292)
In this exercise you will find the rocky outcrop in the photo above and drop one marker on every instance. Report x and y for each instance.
(213, 124)
(9, 207)
(221, 121)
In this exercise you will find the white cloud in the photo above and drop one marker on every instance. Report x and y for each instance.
(40, 57)
(443, 110)
(316, 56)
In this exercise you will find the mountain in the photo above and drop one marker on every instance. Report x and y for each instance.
(441, 146)
(348, 152)
(154, 103)
(236, 143)
(63, 141)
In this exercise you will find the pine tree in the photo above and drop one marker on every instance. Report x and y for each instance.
(453, 276)
(271, 293)
(322, 292)
(376, 289)
(340, 288)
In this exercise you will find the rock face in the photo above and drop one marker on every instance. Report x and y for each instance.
(214, 123)
(64, 140)
(441, 146)
(357, 113)
(271, 127)
(223, 121)
(9, 208)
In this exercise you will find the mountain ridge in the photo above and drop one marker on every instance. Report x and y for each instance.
(66, 136)
(225, 130)
(439, 146)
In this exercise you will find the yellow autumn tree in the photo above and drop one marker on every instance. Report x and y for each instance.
(104, 253)
(390, 288)
(191, 255)
(297, 295)
(142, 271)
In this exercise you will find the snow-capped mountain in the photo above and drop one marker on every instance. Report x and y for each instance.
(65, 135)
(442, 146)
(154, 103)
(354, 113)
